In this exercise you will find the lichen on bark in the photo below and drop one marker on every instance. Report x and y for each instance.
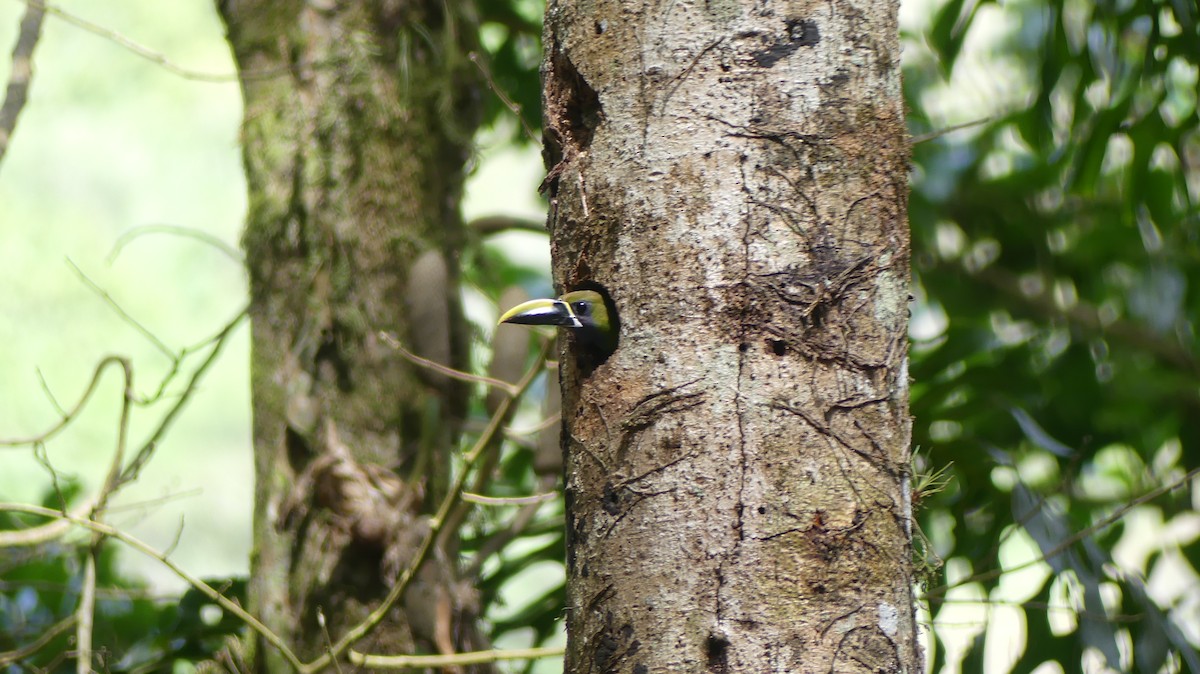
(355, 167)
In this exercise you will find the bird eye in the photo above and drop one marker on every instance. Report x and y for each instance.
(582, 308)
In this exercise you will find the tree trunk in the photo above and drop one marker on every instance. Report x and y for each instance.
(359, 118)
(735, 175)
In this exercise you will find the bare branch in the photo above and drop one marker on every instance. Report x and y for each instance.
(504, 386)
(218, 343)
(157, 501)
(507, 500)
(454, 659)
(43, 458)
(1077, 537)
(114, 469)
(20, 74)
(16, 655)
(491, 458)
(44, 533)
(328, 642)
(436, 524)
(519, 523)
(49, 394)
(202, 587)
(157, 57)
(84, 614)
(74, 411)
(55, 529)
(187, 232)
(504, 98)
(108, 299)
(495, 224)
(129, 45)
(950, 129)
(536, 428)
(116, 477)
(178, 359)
(111, 483)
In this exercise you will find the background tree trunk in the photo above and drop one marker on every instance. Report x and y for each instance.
(738, 471)
(359, 118)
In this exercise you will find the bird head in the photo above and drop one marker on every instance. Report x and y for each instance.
(586, 313)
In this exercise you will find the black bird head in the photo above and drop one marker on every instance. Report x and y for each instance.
(586, 313)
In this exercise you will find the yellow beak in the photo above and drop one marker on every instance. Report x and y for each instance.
(542, 312)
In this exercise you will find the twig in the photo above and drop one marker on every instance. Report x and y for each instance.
(536, 428)
(85, 613)
(53, 530)
(435, 524)
(200, 235)
(14, 656)
(44, 533)
(491, 457)
(1088, 317)
(202, 587)
(57, 428)
(49, 394)
(391, 341)
(175, 540)
(131, 46)
(20, 74)
(949, 129)
(454, 659)
(495, 224)
(157, 501)
(159, 58)
(504, 98)
(1078, 536)
(87, 597)
(524, 516)
(43, 458)
(169, 377)
(111, 482)
(218, 343)
(158, 343)
(116, 476)
(328, 642)
(507, 500)
(176, 358)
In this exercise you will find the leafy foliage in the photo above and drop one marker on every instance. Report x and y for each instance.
(511, 36)
(1055, 246)
(134, 631)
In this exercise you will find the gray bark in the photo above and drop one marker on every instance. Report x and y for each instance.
(735, 174)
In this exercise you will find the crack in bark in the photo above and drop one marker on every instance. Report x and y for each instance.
(642, 496)
(828, 432)
(811, 141)
(678, 80)
(610, 489)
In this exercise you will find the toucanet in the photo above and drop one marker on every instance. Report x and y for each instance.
(584, 312)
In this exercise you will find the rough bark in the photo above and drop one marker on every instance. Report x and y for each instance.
(734, 173)
(358, 123)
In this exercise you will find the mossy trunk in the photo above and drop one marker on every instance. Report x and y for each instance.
(359, 119)
(735, 174)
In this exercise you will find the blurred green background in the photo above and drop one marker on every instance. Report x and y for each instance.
(110, 150)
(110, 142)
